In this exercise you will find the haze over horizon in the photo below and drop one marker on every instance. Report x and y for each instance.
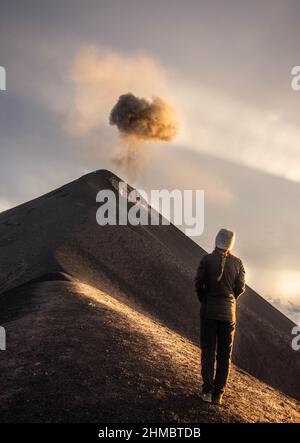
(230, 84)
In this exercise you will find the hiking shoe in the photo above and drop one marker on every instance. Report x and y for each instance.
(217, 399)
(206, 396)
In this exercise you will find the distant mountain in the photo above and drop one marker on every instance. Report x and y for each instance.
(100, 317)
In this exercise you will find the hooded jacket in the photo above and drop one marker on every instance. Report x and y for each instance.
(219, 282)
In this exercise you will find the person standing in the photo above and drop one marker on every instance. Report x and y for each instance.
(220, 280)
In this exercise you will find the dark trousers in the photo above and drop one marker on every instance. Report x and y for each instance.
(215, 336)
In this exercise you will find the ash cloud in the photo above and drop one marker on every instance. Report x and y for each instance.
(147, 120)
(139, 120)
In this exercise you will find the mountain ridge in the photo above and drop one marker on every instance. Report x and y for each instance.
(149, 268)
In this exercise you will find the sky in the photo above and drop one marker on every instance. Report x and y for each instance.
(225, 66)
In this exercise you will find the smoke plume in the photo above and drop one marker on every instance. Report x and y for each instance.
(139, 120)
(143, 119)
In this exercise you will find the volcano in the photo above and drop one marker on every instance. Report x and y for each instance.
(102, 322)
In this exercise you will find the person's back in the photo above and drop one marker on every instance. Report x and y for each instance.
(220, 281)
